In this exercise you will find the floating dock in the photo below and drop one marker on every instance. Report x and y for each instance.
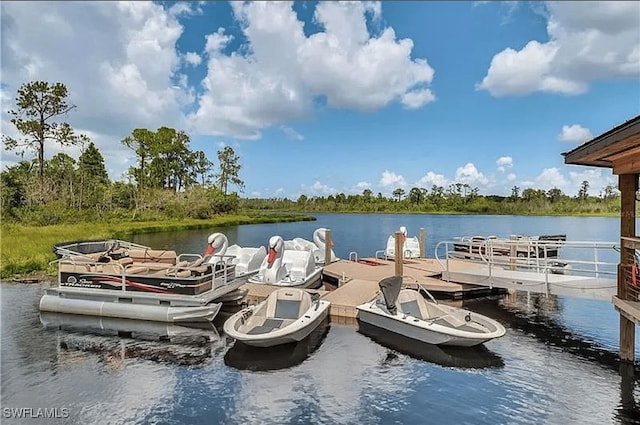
(357, 283)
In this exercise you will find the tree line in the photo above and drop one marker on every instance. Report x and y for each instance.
(456, 198)
(169, 179)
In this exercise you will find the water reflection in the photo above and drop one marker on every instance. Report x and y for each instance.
(628, 411)
(245, 357)
(116, 340)
(478, 357)
(537, 315)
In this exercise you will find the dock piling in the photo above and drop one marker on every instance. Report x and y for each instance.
(513, 253)
(422, 240)
(399, 254)
(327, 246)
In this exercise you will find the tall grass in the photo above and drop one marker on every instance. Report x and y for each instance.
(29, 249)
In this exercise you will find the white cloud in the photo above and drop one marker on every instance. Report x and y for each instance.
(216, 42)
(318, 188)
(279, 73)
(417, 98)
(363, 185)
(574, 133)
(504, 162)
(391, 179)
(430, 179)
(291, 133)
(548, 179)
(511, 177)
(128, 75)
(570, 185)
(587, 42)
(193, 58)
(469, 174)
(131, 72)
(597, 181)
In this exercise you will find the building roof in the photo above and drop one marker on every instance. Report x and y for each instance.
(618, 148)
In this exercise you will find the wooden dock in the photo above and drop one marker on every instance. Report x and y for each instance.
(357, 283)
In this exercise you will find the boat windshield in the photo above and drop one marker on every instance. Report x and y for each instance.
(390, 288)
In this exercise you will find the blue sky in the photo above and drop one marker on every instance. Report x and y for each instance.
(322, 98)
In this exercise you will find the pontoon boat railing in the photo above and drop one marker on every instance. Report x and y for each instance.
(573, 258)
(75, 248)
(219, 276)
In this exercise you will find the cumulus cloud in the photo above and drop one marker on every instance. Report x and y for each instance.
(549, 178)
(128, 75)
(192, 58)
(504, 162)
(318, 188)
(291, 133)
(363, 185)
(469, 174)
(570, 184)
(574, 133)
(597, 177)
(132, 73)
(587, 42)
(430, 179)
(280, 72)
(511, 177)
(391, 179)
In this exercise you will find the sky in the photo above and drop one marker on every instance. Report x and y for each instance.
(320, 98)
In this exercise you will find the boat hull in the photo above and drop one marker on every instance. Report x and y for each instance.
(127, 310)
(420, 330)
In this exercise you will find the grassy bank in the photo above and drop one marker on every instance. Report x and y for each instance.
(27, 250)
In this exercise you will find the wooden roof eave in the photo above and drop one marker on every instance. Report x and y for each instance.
(614, 142)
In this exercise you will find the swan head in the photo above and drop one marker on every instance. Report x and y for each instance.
(403, 230)
(276, 244)
(216, 242)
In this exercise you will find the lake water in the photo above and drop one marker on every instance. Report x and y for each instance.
(557, 364)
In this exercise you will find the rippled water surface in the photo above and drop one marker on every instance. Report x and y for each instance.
(557, 364)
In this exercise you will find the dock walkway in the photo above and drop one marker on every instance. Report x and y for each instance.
(357, 283)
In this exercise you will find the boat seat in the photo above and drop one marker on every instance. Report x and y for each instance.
(153, 256)
(268, 326)
(412, 308)
(125, 261)
(186, 268)
(138, 270)
(297, 263)
(76, 267)
(176, 272)
(413, 303)
(287, 304)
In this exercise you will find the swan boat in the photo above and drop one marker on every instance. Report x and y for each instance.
(317, 247)
(118, 279)
(246, 260)
(407, 313)
(288, 267)
(287, 315)
(410, 246)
